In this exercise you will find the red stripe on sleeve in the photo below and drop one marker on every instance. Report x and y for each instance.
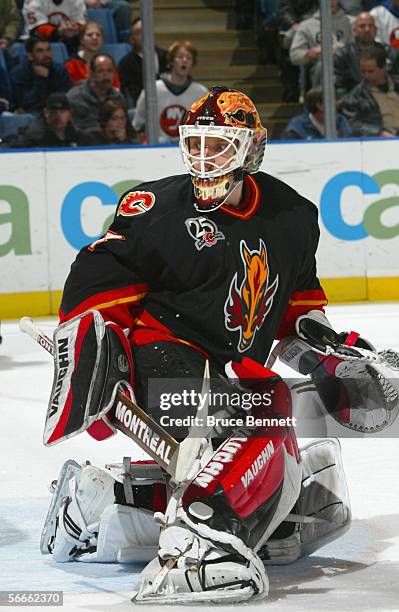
(114, 305)
(300, 303)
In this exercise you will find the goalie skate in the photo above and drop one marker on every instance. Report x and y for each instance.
(61, 490)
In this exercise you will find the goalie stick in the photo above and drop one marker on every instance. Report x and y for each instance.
(176, 458)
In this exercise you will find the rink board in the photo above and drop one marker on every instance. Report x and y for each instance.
(54, 202)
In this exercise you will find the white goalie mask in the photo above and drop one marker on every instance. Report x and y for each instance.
(221, 139)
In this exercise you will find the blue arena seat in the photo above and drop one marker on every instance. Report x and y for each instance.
(11, 124)
(117, 51)
(17, 52)
(60, 52)
(104, 17)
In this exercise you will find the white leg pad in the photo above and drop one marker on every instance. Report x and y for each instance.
(324, 494)
(190, 569)
(322, 509)
(127, 535)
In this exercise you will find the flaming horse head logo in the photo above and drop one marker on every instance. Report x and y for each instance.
(246, 307)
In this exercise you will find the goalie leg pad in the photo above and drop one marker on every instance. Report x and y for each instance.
(91, 490)
(200, 573)
(61, 490)
(126, 535)
(84, 524)
(322, 509)
(91, 359)
(208, 547)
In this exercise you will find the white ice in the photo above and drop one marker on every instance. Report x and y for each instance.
(358, 572)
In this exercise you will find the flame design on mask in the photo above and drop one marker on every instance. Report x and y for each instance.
(246, 307)
(238, 110)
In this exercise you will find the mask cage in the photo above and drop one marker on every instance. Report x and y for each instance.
(240, 139)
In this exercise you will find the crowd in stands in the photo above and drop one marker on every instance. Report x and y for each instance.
(71, 71)
(365, 36)
(70, 77)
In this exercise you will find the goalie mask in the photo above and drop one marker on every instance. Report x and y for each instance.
(221, 139)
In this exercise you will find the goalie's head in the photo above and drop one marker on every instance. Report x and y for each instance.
(221, 139)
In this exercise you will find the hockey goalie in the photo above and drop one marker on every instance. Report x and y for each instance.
(198, 272)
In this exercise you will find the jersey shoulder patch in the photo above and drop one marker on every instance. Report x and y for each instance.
(135, 203)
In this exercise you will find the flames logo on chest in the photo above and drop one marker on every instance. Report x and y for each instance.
(247, 306)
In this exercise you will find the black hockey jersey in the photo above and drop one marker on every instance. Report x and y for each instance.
(227, 282)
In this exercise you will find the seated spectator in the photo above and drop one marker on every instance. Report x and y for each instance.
(372, 107)
(115, 127)
(54, 128)
(290, 13)
(121, 13)
(131, 66)
(37, 77)
(91, 41)
(354, 7)
(9, 23)
(176, 91)
(10, 123)
(56, 20)
(347, 59)
(386, 17)
(87, 97)
(306, 45)
(5, 90)
(310, 124)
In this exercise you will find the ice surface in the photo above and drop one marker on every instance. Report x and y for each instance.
(358, 572)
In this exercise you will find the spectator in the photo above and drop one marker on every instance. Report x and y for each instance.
(354, 7)
(131, 66)
(386, 19)
(176, 91)
(310, 124)
(347, 59)
(121, 13)
(10, 123)
(54, 128)
(115, 127)
(37, 77)
(266, 31)
(372, 107)
(9, 23)
(306, 44)
(87, 97)
(91, 41)
(290, 13)
(56, 20)
(5, 90)
(244, 14)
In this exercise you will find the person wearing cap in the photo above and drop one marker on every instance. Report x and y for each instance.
(54, 128)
